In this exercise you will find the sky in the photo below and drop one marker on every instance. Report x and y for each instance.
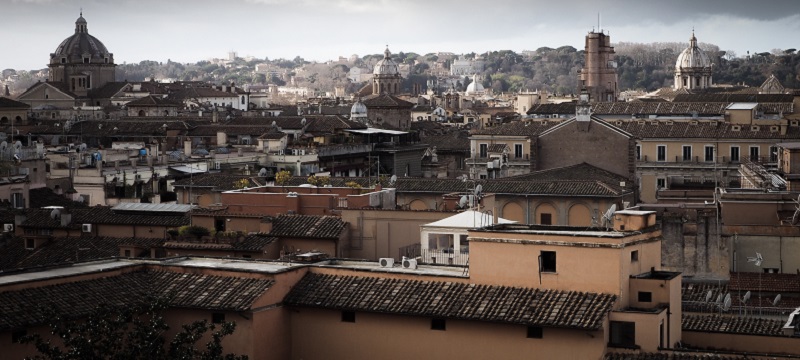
(320, 30)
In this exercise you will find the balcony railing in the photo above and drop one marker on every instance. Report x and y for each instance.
(444, 256)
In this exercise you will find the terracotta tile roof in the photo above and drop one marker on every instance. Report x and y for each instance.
(454, 141)
(735, 97)
(200, 92)
(331, 124)
(6, 103)
(657, 108)
(308, 226)
(782, 283)
(707, 130)
(64, 250)
(582, 171)
(24, 308)
(732, 325)
(108, 90)
(525, 306)
(385, 100)
(135, 127)
(283, 122)
(587, 187)
(253, 242)
(671, 356)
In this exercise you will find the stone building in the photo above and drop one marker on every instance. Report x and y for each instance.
(599, 73)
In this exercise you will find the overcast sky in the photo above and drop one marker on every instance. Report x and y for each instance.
(192, 30)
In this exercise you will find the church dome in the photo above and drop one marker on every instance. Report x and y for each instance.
(693, 56)
(386, 66)
(475, 87)
(358, 109)
(81, 48)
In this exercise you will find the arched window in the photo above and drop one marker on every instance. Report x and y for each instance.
(166, 112)
(141, 112)
(3, 120)
(18, 118)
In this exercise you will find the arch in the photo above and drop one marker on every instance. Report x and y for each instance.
(418, 204)
(141, 113)
(18, 118)
(3, 120)
(579, 215)
(166, 112)
(545, 212)
(513, 211)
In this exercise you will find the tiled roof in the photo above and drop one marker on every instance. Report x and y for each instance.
(40, 218)
(26, 307)
(151, 100)
(526, 306)
(657, 108)
(6, 103)
(65, 250)
(497, 148)
(135, 127)
(587, 187)
(200, 92)
(582, 171)
(331, 124)
(283, 122)
(385, 100)
(308, 226)
(783, 283)
(519, 128)
(108, 90)
(735, 97)
(45, 196)
(253, 242)
(702, 129)
(732, 325)
(671, 356)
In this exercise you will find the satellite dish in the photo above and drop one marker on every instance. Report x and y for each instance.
(478, 190)
(18, 145)
(758, 259)
(609, 214)
(55, 214)
(82, 146)
(3, 145)
(727, 305)
(274, 123)
(709, 295)
(393, 179)
(719, 299)
(303, 121)
(262, 172)
(746, 297)
(777, 300)
(462, 203)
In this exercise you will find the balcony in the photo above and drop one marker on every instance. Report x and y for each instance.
(342, 150)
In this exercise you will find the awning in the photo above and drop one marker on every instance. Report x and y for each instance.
(188, 169)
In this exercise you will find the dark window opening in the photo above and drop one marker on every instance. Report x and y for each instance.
(349, 316)
(535, 332)
(634, 255)
(709, 153)
(217, 318)
(547, 261)
(219, 225)
(484, 150)
(623, 334)
(30, 244)
(247, 256)
(546, 219)
(438, 324)
(127, 253)
(645, 296)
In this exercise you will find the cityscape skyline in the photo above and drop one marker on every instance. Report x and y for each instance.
(285, 29)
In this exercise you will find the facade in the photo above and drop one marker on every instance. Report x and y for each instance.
(82, 62)
(386, 78)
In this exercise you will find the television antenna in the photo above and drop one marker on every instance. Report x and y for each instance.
(796, 215)
(757, 260)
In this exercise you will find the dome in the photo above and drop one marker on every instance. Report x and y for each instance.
(386, 66)
(693, 56)
(80, 45)
(475, 87)
(358, 109)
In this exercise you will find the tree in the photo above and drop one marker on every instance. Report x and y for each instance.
(282, 177)
(127, 332)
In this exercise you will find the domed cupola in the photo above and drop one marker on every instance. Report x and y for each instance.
(82, 61)
(693, 68)
(358, 112)
(386, 75)
(475, 88)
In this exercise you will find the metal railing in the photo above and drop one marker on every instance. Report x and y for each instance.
(444, 257)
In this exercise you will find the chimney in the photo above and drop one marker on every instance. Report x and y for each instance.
(215, 116)
(266, 224)
(187, 147)
(66, 218)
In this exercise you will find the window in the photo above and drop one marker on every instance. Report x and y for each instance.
(645, 296)
(634, 255)
(773, 153)
(547, 261)
(661, 183)
(484, 150)
(463, 243)
(438, 324)
(518, 151)
(127, 253)
(735, 153)
(545, 219)
(623, 334)
(30, 244)
(16, 336)
(709, 153)
(247, 256)
(218, 318)
(443, 242)
(754, 153)
(17, 201)
(638, 152)
(687, 152)
(662, 152)
(349, 316)
(535, 332)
